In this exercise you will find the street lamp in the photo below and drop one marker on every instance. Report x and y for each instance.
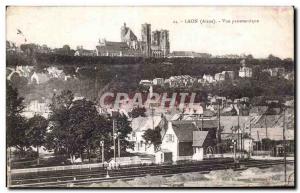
(234, 149)
(115, 135)
(102, 145)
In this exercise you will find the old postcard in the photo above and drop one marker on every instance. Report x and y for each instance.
(173, 96)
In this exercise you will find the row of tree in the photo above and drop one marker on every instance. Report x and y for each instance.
(74, 127)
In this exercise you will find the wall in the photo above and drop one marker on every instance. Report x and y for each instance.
(171, 146)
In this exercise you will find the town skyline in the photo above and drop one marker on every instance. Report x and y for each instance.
(231, 40)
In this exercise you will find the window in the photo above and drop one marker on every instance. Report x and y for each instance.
(170, 138)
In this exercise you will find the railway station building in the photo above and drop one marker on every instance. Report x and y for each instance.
(187, 140)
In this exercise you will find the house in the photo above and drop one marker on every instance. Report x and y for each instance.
(84, 52)
(289, 76)
(139, 125)
(180, 81)
(219, 77)
(39, 78)
(158, 81)
(275, 134)
(229, 75)
(188, 54)
(275, 71)
(230, 123)
(271, 127)
(146, 82)
(258, 110)
(245, 72)
(37, 107)
(187, 140)
(208, 78)
(109, 48)
(20, 71)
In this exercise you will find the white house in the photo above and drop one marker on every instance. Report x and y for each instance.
(37, 107)
(146, 82)
(184, 140)
(158, 81)
(245, 71)
(208, 78)
(139, 125)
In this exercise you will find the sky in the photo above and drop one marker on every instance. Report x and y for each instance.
(57, 26)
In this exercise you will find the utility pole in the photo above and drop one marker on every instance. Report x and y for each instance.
(202, 123)
(119, 147)
(266, 126)
(219, 128)
(152, 115)
(284, 145)
(234, 149)
(242, 137)
(219, 118)
(114, 140)
(96, 84)
(250, 130)
(238, 137)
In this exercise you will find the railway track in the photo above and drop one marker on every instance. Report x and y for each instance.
(98, 176)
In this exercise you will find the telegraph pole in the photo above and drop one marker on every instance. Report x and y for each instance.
(219, 125)
(96, 84)
(250, 130)
(238, 136)
(219, 128)
(284, 145)
(202, 123)
(119, 147)
(114, 140)
(152, 116)
(266, 126)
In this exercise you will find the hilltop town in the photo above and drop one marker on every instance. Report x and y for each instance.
(242, 108)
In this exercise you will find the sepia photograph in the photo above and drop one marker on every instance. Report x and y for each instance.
(150, 97)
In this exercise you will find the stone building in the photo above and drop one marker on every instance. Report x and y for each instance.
(151, 44)
(146, 39)
(245, 72)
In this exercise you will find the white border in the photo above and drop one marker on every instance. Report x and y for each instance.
(4, 3)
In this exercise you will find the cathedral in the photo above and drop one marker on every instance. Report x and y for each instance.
(151, 44)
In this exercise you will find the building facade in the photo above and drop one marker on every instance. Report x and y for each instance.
(151, 44)
(245, 72)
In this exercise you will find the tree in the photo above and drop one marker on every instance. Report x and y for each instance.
(123, 129)
(36, 133)
(138, 111)
(273, 58)
(153, 137)
(76, 126)
(65, 50)
(15, 122)
(85, 124)
(57, 138)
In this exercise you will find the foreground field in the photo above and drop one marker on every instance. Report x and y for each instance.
(252, 177)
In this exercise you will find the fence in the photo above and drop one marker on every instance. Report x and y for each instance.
(55, 168)
(261, 153)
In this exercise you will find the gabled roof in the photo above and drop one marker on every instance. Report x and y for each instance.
(130, 35)
(259, 110)
(206, 123)
(144, 123)
(184, 131)
(199, 138)
(229, 122)
(114, 46)
(273, 133)
(276, 120)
